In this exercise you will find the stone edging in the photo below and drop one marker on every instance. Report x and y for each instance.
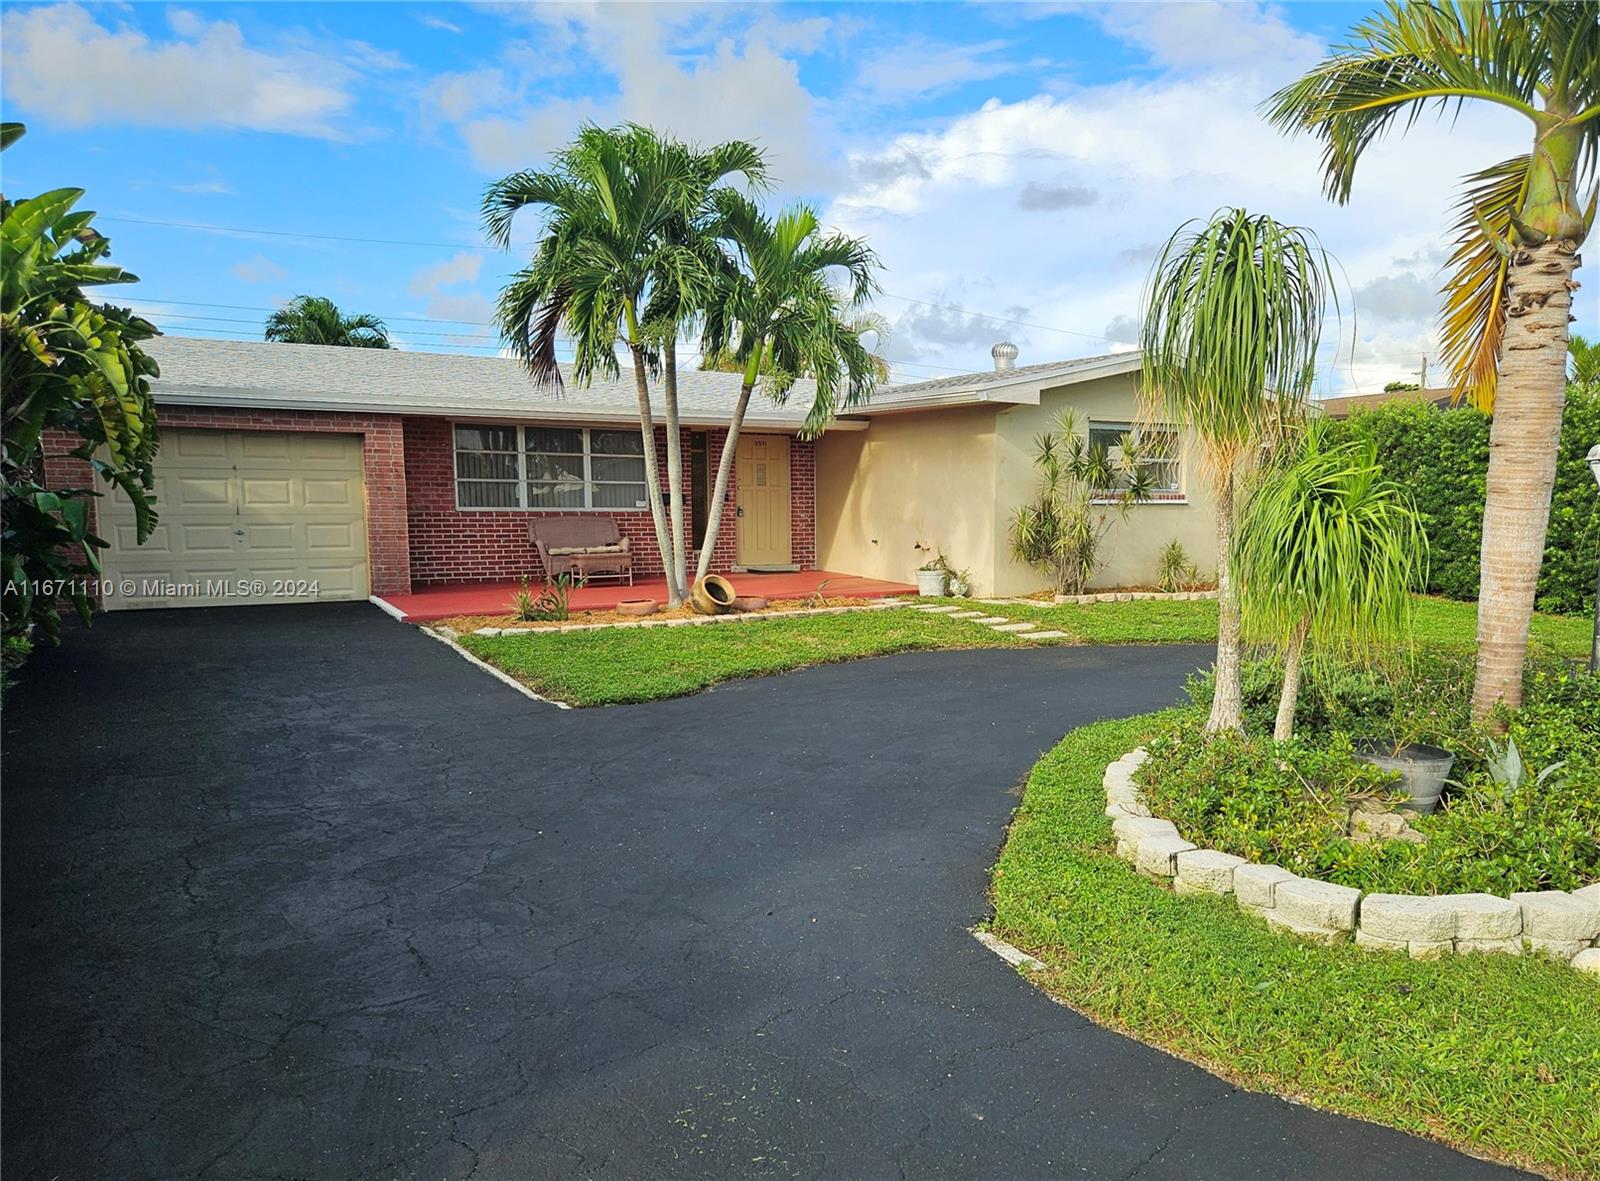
(1136, 596)
(1560, 924)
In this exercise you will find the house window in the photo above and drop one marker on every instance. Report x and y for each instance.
(553, 468)
(1161, 460)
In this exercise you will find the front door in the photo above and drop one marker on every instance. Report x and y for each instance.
(764, 501)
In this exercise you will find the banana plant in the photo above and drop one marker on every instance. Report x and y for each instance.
(68, 364)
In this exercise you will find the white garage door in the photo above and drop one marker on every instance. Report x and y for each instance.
(246, 517)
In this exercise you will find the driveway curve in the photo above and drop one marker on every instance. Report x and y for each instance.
(295, 892)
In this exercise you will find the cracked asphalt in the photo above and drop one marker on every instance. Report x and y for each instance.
(295, 892)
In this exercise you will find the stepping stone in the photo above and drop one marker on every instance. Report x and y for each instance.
(967, 615)
(993, 619)
(945, 610)
(1048, 635)
(1013, 627)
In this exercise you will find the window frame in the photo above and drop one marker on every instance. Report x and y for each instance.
(522, 505)
(1179, 495)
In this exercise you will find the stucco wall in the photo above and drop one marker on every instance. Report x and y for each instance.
(908, 481)
(1132, 546)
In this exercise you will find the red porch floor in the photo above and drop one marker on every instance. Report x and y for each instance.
(494, 598)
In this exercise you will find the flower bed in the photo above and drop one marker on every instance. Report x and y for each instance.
(1559, 923)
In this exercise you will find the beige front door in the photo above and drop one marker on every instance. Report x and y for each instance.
(245, 517)
(764, 501)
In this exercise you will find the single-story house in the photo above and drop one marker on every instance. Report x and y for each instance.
(373, 472)
(1347, 404)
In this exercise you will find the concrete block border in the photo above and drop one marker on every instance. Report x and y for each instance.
(1562, 924)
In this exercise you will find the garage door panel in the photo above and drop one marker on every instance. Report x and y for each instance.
(243, 508)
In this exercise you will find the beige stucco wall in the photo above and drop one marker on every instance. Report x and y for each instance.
(923, 479)
(1132, 546)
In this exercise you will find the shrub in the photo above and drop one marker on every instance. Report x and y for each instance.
(1443, 455)
(1176, 571)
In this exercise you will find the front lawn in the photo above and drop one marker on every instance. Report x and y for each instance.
(1156, 621)
(1408, 1043)
(610, 666)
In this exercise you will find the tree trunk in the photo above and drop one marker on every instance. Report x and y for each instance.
(677, 579)
(1283, 727)
(730, 447)
(1524, 440)
(652, 472)
(1227, 709)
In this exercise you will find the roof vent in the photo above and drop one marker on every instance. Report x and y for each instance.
(1005, 356)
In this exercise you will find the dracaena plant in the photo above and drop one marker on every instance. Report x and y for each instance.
(1083, 490)
(69, 365)
(1508, 294)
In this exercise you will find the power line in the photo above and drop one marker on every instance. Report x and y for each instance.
(215, 229)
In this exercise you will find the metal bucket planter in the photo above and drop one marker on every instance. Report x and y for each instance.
(1422, 768)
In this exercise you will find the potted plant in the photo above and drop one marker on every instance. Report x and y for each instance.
(932, 576)
(1422, 768)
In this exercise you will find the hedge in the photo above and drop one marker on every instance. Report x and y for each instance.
(1442, 457)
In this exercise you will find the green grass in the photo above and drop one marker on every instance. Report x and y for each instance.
(1154, 621)
(610, 666)
(1418, 1045)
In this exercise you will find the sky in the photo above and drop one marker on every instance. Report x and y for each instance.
(1015, 166)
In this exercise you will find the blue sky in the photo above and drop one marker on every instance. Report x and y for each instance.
(1014, 165)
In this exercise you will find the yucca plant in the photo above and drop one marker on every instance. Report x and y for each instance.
(1083, 491)
(1233, 316)
(1329, 552)
(1508, 295)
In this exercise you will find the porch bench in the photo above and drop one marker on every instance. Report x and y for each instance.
(582, 547)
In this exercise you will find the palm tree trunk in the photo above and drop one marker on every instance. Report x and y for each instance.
(1524, 440)
(677, 578)
(730, 447)
(1227, 709)
(1283, 727)
(652, 472)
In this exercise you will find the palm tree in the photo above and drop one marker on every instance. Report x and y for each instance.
(775, 313)
(861, 323)
(315, 319)
(1328, 554)
(1508, 296)
(618, 205)
(1233, 315)
(1583, 355)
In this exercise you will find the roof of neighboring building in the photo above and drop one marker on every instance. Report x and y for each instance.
(1342, 407)
(270, 375)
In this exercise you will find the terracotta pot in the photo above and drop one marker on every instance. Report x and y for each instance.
(638, 607)
(749, 603)
(712, 595)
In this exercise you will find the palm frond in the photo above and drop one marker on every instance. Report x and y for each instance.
(1473, 320)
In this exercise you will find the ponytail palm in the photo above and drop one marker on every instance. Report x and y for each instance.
(1233, 316)
(1508, 294)
(1328, 554)
(776, 316)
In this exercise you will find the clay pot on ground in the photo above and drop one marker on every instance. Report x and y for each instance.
(638, 607)
(749, 603)
(712, 595)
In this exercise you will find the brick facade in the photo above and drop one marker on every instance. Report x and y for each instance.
(491, 545)
(415, 533)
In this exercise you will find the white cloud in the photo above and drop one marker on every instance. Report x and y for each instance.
(427, 20)
(694, 71)
(257, 269)
(63, 64)
(934, 204)
(1207, 35)
(919, 67)
(428, 283)
(201, 186)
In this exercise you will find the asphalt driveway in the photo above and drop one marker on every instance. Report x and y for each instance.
(295, 892)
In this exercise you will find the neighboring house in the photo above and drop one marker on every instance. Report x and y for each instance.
(374, 471)
(1343, 407)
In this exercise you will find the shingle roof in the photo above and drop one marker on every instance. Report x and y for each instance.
(319, 377)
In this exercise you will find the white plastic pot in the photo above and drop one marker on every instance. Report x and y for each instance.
(930, 582)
